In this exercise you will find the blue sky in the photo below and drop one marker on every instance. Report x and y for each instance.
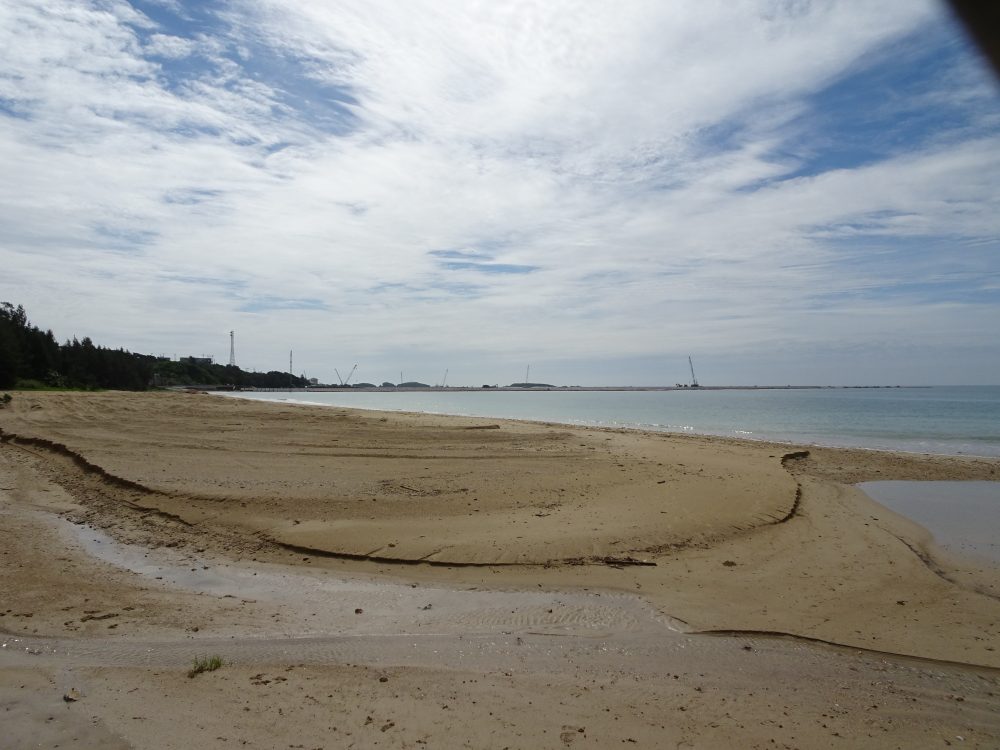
(788, 192)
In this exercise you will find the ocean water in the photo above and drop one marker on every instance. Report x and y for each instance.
(943, 420)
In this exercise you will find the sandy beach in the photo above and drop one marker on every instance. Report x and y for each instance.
(402, 580)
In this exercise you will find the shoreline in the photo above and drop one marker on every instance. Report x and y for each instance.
(818, 442)
(752, 549)
(549, 388)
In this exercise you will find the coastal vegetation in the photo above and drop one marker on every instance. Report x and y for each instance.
(205, 664)
(31, 358)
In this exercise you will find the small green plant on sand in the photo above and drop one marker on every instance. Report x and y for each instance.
(205, 664)
(5, 399)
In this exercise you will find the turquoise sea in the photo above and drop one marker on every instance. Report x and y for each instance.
(942, 419)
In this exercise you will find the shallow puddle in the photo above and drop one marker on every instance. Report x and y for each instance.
(963, 517)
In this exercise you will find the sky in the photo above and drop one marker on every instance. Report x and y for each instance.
(789, 192)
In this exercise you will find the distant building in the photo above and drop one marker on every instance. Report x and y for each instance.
(313, 381)
(197, 360)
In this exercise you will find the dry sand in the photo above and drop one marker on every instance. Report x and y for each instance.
(399, 580)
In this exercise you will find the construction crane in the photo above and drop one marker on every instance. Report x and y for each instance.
(444, 380)
(694, 380)
(349, 375)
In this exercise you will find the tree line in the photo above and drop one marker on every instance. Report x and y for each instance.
(32, 358)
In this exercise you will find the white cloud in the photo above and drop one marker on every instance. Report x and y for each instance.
(636, 155)
(172, 47)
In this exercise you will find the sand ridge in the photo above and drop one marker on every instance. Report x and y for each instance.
(405, 488)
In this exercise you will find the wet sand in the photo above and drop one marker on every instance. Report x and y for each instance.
(631, 586)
